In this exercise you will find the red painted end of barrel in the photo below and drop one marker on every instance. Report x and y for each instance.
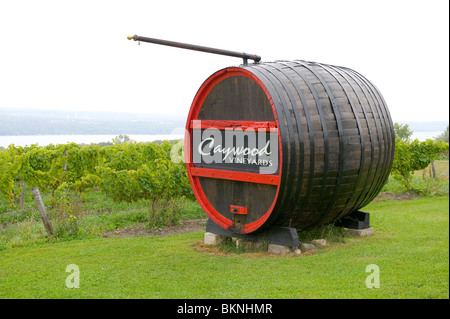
(197, 103)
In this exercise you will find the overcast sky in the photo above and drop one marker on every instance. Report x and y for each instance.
(75, 55)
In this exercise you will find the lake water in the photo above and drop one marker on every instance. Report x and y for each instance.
(422, 136)
(43, 140)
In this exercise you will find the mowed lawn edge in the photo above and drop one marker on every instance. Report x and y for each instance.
(410, 248)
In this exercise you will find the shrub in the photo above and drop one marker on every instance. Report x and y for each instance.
(66, 217)
(414, 155)
(164, 213)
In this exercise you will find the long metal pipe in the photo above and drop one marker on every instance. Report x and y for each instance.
(194, 47)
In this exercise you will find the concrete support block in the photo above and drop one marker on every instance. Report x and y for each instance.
(360, 232)
(279, 249)
(213, 239)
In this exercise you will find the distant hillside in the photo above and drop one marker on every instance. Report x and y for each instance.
(56, 122)
(62, 122)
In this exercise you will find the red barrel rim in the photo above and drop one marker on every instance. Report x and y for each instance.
(197, 103)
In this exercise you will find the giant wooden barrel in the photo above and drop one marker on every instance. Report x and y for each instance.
(287, 143)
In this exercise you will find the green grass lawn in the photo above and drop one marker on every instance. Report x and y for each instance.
(410, 247)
